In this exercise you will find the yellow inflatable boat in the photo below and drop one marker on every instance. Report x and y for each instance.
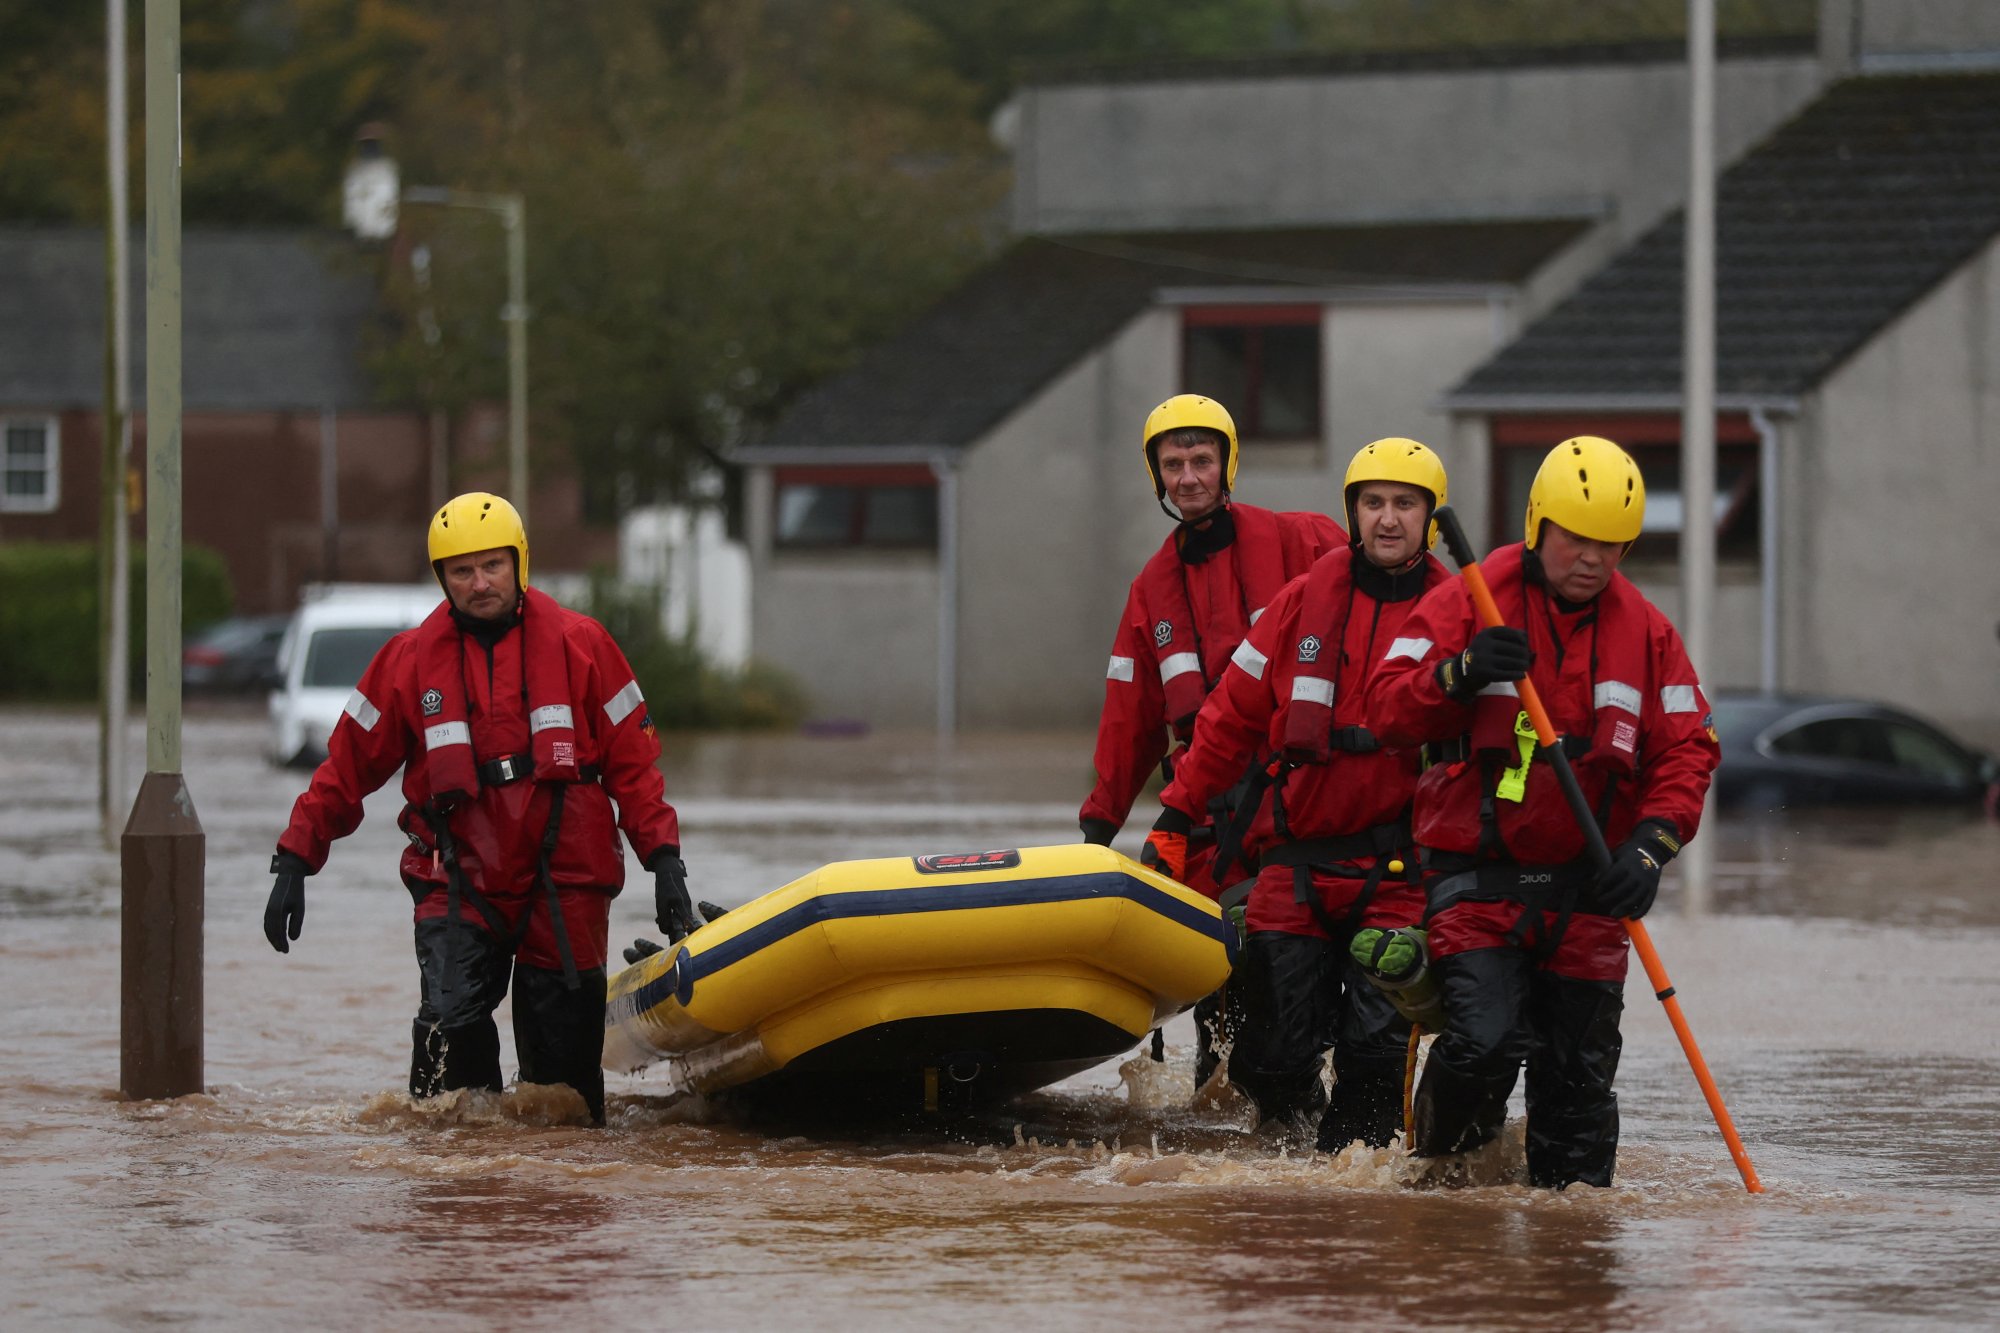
(952, 979)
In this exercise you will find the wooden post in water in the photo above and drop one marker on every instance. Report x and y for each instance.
(164, 849)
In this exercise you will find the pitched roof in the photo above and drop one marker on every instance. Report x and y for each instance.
(270, 319)
(947, 378)
(1826, 232)
(1059, 72)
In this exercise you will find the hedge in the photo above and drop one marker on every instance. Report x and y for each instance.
(683, 691)
(48, 615)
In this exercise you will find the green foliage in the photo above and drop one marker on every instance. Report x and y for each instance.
(725, 199)
(48, 619)
(683, 692)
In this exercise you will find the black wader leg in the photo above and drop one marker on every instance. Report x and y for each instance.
(1369, 1049)
(459, 1046)
(1286, 989)
(1572, 1111)
(1217, 1017)
(1461, 1102)
(559, 1031)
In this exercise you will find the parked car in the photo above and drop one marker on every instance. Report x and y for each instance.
(234, 656)
(1783, 750)
(332, 638)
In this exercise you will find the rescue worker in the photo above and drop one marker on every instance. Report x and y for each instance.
(1331, 831)
(1530, 954)
(1189, 608)
(517, 723)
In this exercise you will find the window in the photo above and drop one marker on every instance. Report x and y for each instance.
(1880, 741)
(1853, 739)
(1520, 444)
(335, 658)
(28, 472)
(1926, 752)
(1260, 362)
(820, 507)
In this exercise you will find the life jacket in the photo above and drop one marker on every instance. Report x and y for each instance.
(1331, 589)
(1192, 656)
(1619, 668)
(1485, 805)
(449, 761)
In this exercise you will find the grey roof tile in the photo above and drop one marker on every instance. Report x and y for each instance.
(271, 319)
(1826, 232)
(948, 377)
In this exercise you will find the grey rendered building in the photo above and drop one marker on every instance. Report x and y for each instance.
(1480, 252)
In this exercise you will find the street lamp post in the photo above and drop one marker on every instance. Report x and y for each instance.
(513, 217)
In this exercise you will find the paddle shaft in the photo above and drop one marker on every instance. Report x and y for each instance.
(1642, 941)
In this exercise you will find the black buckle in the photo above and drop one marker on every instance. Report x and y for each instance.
(506, 769)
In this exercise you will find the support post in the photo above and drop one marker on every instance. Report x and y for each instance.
(514, 216)
(161, 868)
(329, 495)
(114, 556)
(944, 469)
(1698, 403)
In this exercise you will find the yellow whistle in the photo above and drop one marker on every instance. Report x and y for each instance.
(1395, 866)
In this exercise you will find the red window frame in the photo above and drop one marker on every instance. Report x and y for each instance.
(1245, 402)
(1649, 437)
(858, 480)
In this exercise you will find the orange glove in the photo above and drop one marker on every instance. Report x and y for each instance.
(1166, 849)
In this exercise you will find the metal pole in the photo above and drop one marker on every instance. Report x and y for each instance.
(1767, 546)
(114, 582)
(1698, 399)
(513, 215)
(160, 1037)
(947, 655)
(329, 496)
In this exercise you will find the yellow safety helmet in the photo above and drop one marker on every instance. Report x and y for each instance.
(1591, 487)
(478, 521)
(1395, 458)
(1181, 411)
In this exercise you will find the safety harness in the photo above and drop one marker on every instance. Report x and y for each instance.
(1310, 737)
(1503, 745)
(455, 773)
(1189, 665)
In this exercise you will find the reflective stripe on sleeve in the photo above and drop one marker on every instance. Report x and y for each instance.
(1250, 660)
(1256, 615)
(620, 705)
(551, 715)
(1179, 665)
(1616, 694)
(1678, 699)
(1120, 668)
(362, 711)
(1502, 687)
(1414, 649)
(447, 733)
(1312, 690)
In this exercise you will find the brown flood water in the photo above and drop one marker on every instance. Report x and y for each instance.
(1843, 986)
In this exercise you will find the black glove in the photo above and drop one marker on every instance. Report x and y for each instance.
(1098, 831)
(1627, 887)
(1496, 653)
(673, 912)
(642, 949)
(286, 911)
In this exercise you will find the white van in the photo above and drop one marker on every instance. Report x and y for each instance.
(335, 633)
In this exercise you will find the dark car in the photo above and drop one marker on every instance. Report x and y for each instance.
(237, 655)
(1783, 750)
